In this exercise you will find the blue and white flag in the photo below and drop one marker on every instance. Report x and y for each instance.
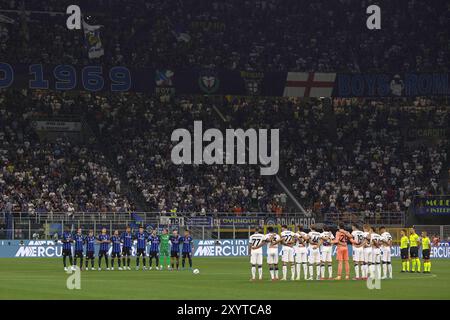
(93, 41)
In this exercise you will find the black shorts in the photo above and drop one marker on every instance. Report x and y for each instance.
(126, 251)
(154, 254)
(140, 252)
(102, 253)
(414, 252)
(186, 255)
(67, 252)
(115, 254)
(79, 253)
(174, 254)
(404, 253)
(89, 254)
(426, 254)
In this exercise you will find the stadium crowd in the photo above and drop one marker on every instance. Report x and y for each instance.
(261, 35)
(57, 175)
(353, 156)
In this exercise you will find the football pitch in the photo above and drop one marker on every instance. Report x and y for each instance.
(219, 278)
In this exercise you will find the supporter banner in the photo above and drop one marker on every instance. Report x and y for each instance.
(238, 221)
(56, 125)
(392, 85)
(304, 221)
(211, 81)
(202, 221)
(432, 206)
(426, 133)
(202, 248)
(179, 221)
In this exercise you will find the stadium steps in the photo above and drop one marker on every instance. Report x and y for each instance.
(132, 193)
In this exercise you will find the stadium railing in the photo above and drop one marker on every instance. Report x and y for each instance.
(223, 225)
(388, 218)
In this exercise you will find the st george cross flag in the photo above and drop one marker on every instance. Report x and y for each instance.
(309, 84)
(93, 41)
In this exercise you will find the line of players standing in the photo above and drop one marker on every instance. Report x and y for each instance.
(163, 245)
(371, 252)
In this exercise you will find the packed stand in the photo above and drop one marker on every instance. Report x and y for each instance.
(39, 176)
(261, 35)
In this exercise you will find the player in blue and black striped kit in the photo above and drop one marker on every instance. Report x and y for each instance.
(141, 239)
(104, 241)
(67, 240)
(116, 242)
(175, 250)
(187, 248)
(79, 244)
(90, 249)
(154, 249)
(127, 239)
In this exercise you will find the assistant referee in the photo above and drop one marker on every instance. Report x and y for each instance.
(404, 247)
(414, 243)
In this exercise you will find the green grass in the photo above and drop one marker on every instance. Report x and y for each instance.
(219, 278)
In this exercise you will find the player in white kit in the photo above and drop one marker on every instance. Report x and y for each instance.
(256, 253)
(287, 240)
(358, 251)
(326, 252)
(386, 243)
(367, 252)
(314, 240)
(272, 239)
(375, 241)
(301, 253)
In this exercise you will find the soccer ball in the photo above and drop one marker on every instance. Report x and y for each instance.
(196, 271)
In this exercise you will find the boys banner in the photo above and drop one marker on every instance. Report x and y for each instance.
(207, 81)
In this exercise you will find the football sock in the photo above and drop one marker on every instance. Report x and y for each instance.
(253, 272)
(418, 264)
(297, 269)
(260, 272)
(330, 271)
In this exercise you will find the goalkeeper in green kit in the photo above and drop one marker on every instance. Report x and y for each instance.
(164, 249)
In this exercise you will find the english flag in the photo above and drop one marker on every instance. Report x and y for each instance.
(309, 84)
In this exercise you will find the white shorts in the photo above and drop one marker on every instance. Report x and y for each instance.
(256, 258)
(376, 255)
(368, 255)
(326, 254)
(314, 256)
(386, 254)
(301, 254)
(288, 254)
(272, 256)
(358, 254)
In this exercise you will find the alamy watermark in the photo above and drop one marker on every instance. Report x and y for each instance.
(256, 151)
(74, 280)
